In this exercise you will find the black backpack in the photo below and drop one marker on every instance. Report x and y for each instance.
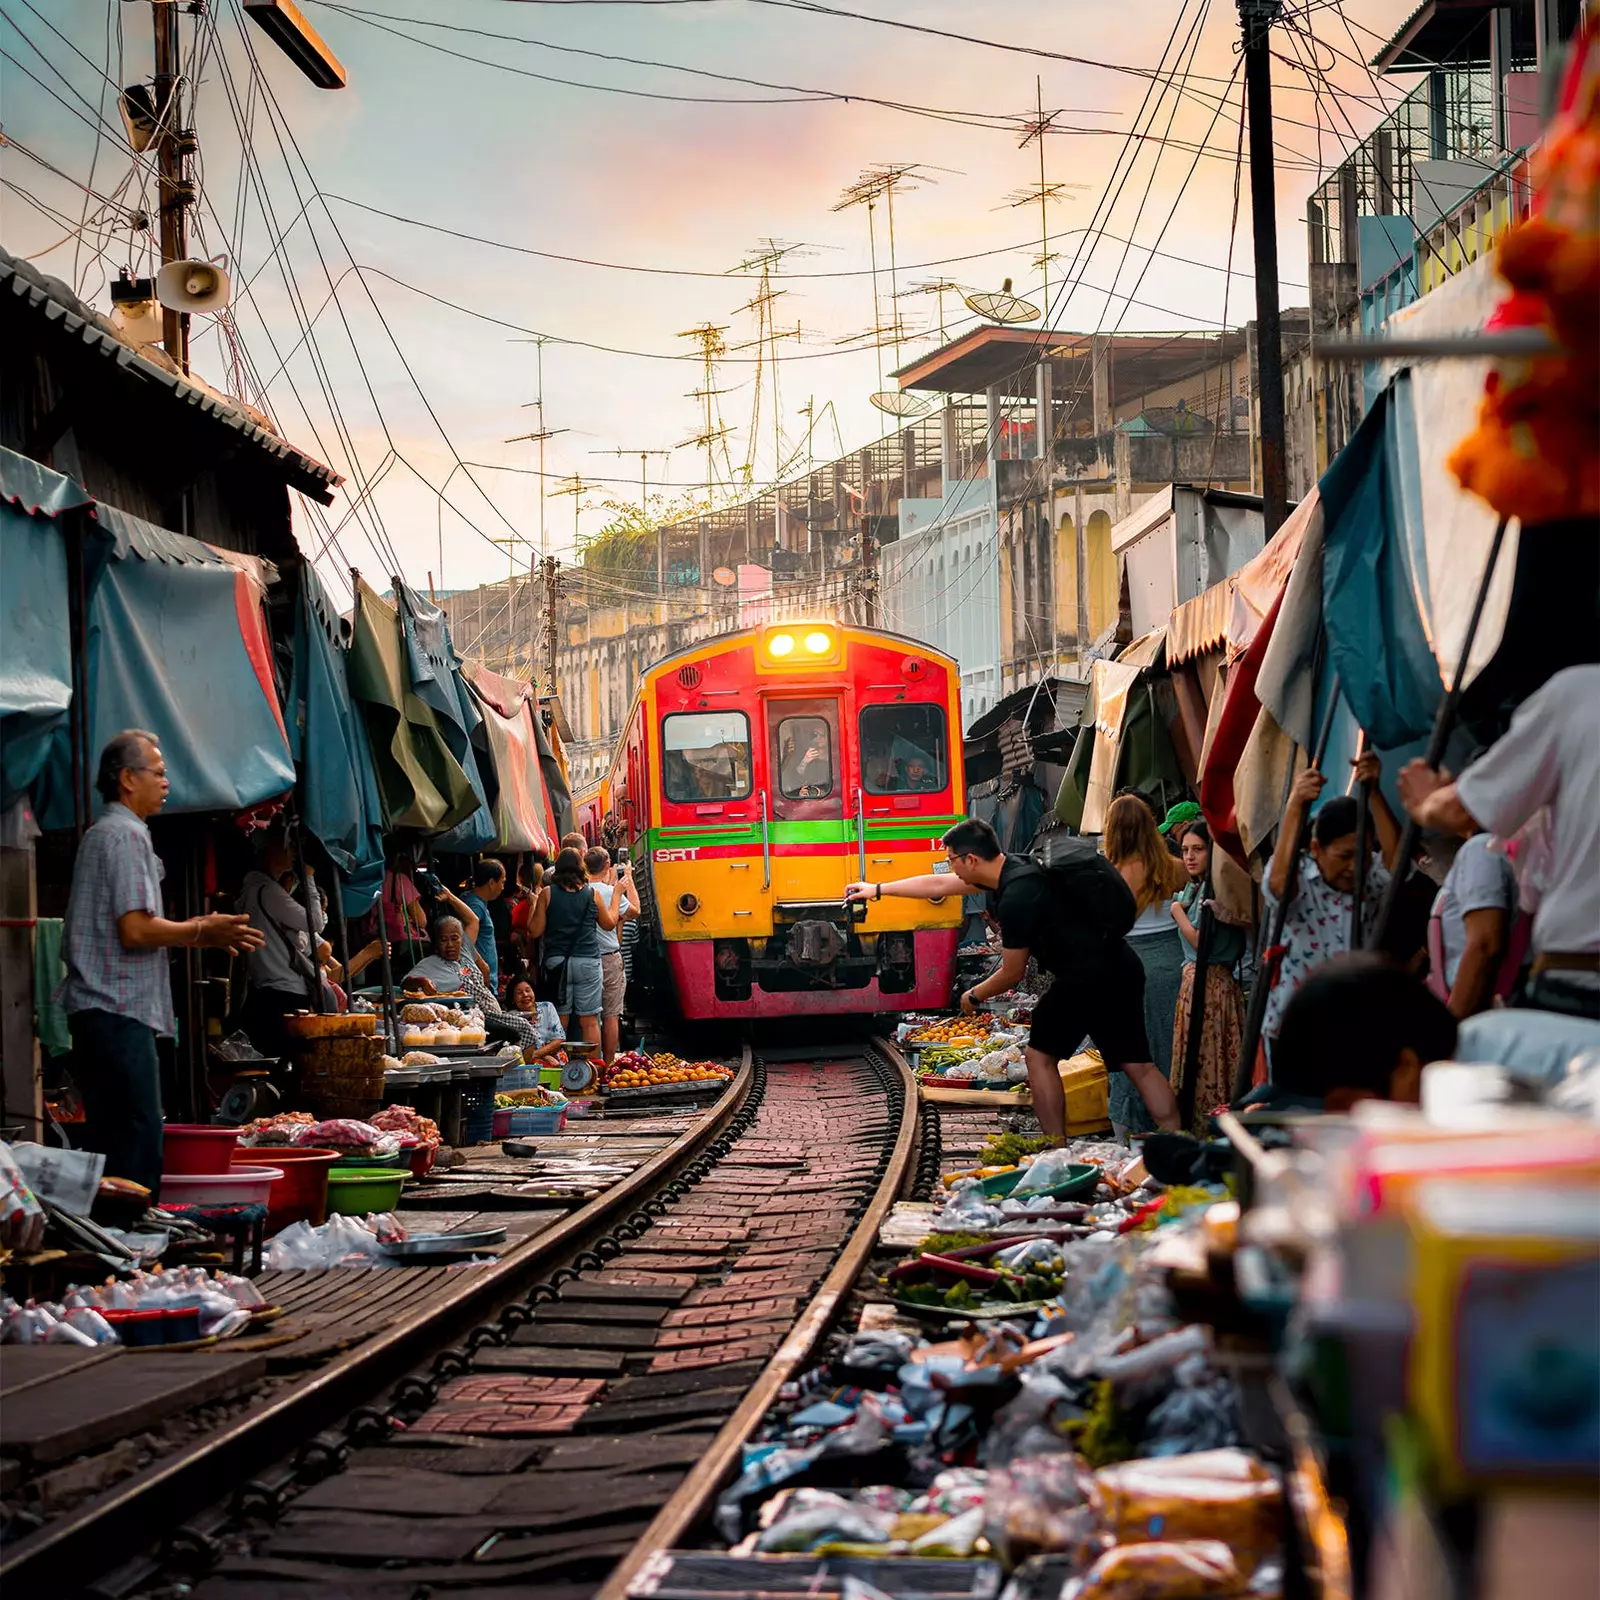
(1092, 905)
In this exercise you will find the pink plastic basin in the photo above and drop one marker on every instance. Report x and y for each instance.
(301, 1195)
(244, 1186)
(196, 1147)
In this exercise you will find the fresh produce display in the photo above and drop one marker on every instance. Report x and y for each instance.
(633, 1069)
(955, 1030)
(511, 1099)
(977, 1277)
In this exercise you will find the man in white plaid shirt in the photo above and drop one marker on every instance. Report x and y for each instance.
(117, 993)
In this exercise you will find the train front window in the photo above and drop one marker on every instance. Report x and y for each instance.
(904, 749)
(805, 758)
(706, 756)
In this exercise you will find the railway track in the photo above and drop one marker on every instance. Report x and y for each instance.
(576, 1415)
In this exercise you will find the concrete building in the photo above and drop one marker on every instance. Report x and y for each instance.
(1053, 438)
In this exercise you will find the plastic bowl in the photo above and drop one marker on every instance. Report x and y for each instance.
(420, 1158)
(354, 1194)
(301, 1195)
(244, 1186)
(1080, 1180)
(196, 1147)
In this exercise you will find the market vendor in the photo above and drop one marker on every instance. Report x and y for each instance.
(1099, 984)
(449, 968)
(1358, 1028)
(286, 974)
(542, 1014)
(118, 992)
(1548, 758)
(1317, 925)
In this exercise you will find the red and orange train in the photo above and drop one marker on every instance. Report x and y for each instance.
(759, 772)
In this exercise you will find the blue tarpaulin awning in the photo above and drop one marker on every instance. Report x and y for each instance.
(175, 642)
(339, 789)
(35, 638)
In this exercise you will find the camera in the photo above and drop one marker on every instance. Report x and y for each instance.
(428, 883)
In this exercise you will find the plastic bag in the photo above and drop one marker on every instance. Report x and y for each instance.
(1214, 1494)
(954, 1491)
(21, 1215)
(1045, 1171)
(1039, 1504)
(1195, 1569)
(1201, 1413)
(340, 1242)
(814, 1517)
(968, 1211)
(953, 1538)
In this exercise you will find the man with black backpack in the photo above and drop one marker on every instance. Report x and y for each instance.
(1071, 913)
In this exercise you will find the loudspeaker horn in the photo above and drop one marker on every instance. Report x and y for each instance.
(192, 286)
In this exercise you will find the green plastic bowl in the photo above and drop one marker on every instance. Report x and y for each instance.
(370, 1163)
(1081, 1180)
(354, 1194)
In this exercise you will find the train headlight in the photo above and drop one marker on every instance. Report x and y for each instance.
(688, 904)
(818, 642)
(780, 645)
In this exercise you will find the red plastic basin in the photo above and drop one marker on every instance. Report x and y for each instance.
(301, 1194)
(196, 1147)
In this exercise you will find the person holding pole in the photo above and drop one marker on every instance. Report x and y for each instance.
(1099, 984)
(1320, 894)
(1549, 757)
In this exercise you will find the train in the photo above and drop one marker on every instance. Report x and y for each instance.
(757, 774)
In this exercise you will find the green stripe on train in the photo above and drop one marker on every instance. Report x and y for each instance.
(825, 832)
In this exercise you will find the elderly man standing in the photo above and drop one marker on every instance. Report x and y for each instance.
(117, 994)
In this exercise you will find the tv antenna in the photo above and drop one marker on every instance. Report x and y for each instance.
(713, 347)
(1043, 193)
(644, 456)
(874, 184)
(577, 488)
(767, 257)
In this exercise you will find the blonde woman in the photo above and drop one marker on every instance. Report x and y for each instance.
(1134, 846)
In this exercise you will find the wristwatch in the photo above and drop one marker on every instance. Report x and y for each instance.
(879, 894)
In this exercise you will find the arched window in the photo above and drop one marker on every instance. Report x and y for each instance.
(1102, 574)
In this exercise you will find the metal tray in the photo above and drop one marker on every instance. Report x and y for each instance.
(443, 1244)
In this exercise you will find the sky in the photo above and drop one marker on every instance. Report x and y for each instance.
(687, 174)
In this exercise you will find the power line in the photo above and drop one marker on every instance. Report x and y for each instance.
(725, 277)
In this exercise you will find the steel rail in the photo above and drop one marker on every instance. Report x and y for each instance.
(693, 1498)
(101, 1535)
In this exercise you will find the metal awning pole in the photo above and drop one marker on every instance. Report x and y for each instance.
(1444, 723)
(1363, 816)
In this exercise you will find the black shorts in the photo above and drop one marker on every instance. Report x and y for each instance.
(1104, 1002)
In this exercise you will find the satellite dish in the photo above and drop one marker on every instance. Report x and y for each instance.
(192, 286)
(898, 403)
(1003, 307)
(725, 576)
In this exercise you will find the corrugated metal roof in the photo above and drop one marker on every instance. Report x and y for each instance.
(59, 306)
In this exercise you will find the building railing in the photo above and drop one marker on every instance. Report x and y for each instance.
(1449, 116)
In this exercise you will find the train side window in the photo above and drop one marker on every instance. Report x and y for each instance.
(705, 756)
(805, 758)
(904, 749)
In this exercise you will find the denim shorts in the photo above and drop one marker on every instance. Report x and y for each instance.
(580, 986)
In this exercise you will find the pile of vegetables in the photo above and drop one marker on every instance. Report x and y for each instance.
(633, 1069)
(982, 1275)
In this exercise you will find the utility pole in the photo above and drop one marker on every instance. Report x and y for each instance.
(1255, 19)
(172, 145)
(549, 566)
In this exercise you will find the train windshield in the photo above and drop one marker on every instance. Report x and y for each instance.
(805, 758)
(706, 755)
(904, 749)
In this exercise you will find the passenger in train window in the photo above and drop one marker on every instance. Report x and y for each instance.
(915, 771)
